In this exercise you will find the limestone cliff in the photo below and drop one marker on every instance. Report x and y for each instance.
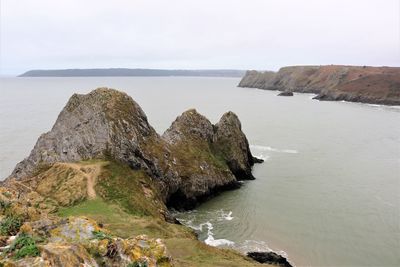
(94, 189)
(207, 157)
(192, 160)
(376, 85)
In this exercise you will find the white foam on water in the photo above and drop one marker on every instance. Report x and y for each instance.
(263, 157)
(224, 216)
(218, 242)
(219, 215)
(228, 216)
(215, 242)
(268, 148)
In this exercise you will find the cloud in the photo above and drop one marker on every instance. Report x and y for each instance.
(256, 34)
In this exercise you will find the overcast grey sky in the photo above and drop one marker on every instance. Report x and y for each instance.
(247, 34)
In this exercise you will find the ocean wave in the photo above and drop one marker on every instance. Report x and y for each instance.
(268, 148)
(207, 227)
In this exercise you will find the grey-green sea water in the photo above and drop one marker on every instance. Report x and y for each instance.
(328, 193)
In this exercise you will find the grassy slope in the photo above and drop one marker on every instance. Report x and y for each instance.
(125, 209)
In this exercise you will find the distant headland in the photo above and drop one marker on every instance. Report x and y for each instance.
(374, 85)
(120, 72)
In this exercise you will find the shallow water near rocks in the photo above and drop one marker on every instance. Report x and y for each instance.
(328, 193)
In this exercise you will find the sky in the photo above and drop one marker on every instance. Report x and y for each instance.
(206, 34)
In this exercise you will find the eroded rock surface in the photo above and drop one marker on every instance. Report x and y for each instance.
(231, 142)
(103, 123)
(200, 168)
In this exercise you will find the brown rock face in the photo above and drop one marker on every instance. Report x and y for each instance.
(102, 123)
(376, 85)
(192, 160)
(206, 155)
(231, 142)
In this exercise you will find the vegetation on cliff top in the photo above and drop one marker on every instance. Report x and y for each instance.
(125, 206)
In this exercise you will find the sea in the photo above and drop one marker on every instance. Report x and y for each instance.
(328, 193)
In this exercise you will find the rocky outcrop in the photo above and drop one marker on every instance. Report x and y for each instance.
(207, 157)
(43, 239)
(376, 85)
(269, 257)
(99, 180)
(286, 93)
(102, 123)
(99, 233)
(192, 160)
(232, 144)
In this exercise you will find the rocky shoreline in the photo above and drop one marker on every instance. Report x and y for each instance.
(96, 189)
(373, 85)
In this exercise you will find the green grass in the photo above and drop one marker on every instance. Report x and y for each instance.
(123, 224)
(121, 185)
(125, 212)
(100, 235)
(23, 246)
(88, 207)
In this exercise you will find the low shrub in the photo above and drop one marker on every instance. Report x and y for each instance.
(10, 225)
(23, 246)
(101, 235)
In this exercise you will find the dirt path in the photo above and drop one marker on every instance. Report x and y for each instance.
(91, 181)
(90, 172)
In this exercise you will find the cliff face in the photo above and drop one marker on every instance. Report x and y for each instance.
(207, 157)
(192, 159)
(93, 191)
(377, 85)
(102, 123)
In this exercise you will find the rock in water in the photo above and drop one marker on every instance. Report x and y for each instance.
(269, 257)
(201, 167)
(231, 142)
(286, 93)
(192, 160)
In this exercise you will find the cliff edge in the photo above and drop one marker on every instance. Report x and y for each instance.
(375, 85)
